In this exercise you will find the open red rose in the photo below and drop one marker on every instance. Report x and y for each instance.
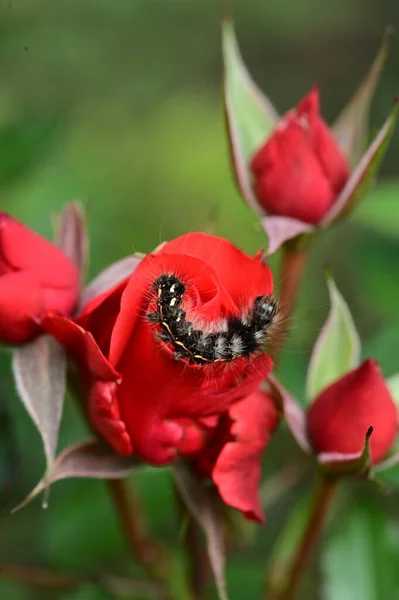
(35, 277)
(340, 416)
(300, 169)
(145, 394)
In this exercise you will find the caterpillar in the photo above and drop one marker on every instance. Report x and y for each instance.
(239, 336)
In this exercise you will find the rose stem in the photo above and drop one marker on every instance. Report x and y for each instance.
(131, 517)
(197, 557)
(292, 265)
(287, 589)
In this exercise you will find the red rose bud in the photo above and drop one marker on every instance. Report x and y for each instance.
(340, 416)
(300, 170)
(167, 352)
(35, 276)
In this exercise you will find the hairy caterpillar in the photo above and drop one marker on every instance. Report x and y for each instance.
(239, 336)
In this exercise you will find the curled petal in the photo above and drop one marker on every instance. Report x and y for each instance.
(105, 414)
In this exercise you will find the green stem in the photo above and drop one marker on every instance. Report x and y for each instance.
(285, 579)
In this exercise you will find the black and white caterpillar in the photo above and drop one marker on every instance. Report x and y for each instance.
(236, 336)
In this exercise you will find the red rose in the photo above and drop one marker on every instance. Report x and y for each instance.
(340, 416)
(300, 170)
(163, 398)
(35, 276)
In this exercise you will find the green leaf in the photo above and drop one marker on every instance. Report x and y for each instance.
(250, 116)
(364, 175)
(337, 349)
(351, 127)
(361, 557)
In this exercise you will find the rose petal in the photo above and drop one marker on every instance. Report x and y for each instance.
(237, 470)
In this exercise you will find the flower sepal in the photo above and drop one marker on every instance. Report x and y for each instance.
(339, 464)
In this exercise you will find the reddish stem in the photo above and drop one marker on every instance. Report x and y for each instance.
(141, 546)
(293, 261)
(288, 589)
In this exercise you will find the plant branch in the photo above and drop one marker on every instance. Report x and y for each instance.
(292, 265)
(197, 556)
(142, 548)
(286, 587)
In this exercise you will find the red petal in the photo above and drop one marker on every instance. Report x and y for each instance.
(104, 413)
(205, 294)
(21, 303)
(80, 344)
(23, 249)
(227, 260)
(289, 179)
(332, 161)
(237, 470)
(99, 315)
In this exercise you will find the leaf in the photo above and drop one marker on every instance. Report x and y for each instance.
(360, 558)
(72, 235)
(39, 370)
(293, 413)
(337, 349)
(363, 176)
(295, 532)
(110, 277)
(250, 116)
(281, 229)
(201, 503)
(91, 459)
(351, 127)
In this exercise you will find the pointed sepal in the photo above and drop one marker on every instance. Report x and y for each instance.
(351, 126)
(91, 459)
(250, 116)
(364, 174)
(337, 349)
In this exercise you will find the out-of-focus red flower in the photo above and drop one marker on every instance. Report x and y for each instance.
(300, 170)
(144, 399)
(340, 416)
(35, 276)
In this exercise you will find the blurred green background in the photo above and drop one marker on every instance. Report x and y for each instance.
(117, 103)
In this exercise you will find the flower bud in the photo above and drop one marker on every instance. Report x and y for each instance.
(340, 416)
(35, 276)
(300, 170)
